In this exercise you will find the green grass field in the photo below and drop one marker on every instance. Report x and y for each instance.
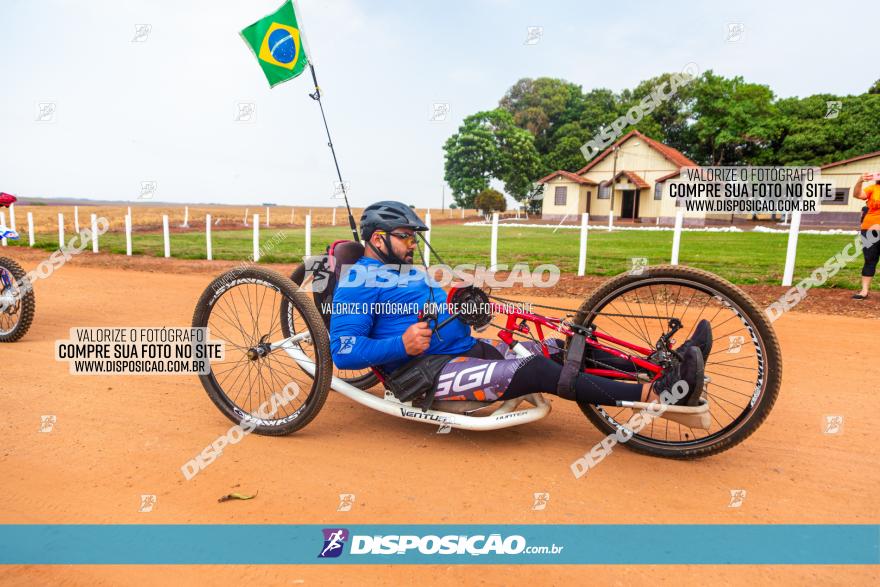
(744, 258)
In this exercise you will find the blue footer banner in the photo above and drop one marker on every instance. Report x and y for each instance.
(440, 544)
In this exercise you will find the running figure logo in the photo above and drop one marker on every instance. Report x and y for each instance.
(147, 503)
(347, 343)
(737, 497)
(346, 501)
(833, 425)
(334, 540)
(541, 500)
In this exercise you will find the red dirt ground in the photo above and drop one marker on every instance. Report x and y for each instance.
(117, 437)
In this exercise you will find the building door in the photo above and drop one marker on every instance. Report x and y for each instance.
(629, 206)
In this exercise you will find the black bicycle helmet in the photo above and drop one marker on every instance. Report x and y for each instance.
(388, 215)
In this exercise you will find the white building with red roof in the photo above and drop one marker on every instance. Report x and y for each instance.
(627, 177)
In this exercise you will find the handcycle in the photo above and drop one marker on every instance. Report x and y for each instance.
(17, 303)
(275, 330)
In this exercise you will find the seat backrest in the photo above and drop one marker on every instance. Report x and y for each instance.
(339, 254)
(342, 253)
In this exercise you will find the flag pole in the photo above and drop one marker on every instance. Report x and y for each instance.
(317, 97)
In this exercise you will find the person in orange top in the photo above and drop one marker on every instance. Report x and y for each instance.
(871, 218)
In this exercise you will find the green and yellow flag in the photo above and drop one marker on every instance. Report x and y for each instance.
(277, 43)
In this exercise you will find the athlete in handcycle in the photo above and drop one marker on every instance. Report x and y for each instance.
(460, 367)
(618, 355)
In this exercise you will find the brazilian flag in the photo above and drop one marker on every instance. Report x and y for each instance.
(277, 44)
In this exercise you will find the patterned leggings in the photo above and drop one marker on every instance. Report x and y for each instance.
(490, 370)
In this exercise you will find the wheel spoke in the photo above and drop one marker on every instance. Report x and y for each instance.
(689, 302)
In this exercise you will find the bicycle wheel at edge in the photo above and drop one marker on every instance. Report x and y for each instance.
(240, 308)
(757, 342)
(15, 318)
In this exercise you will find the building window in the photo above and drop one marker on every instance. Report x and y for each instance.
(560, 195)
(658, 190)
(841, 198)
(605, 190)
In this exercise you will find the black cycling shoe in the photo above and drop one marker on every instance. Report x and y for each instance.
(702, 339)
(690, 370)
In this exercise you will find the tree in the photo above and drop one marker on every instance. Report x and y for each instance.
(490, 200)
(669, 120)
(542, 105)
(732, 119)
(560, 117)
(453, 206)
(488, 145)
(875, 89)
(472, 158)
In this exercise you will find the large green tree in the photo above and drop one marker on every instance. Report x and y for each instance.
(489, 145)
(669, 121)
(732, 120)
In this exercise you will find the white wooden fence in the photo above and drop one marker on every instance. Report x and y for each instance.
(788, 273)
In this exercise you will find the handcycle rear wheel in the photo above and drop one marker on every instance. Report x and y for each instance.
(17, 302)
(363, 378)
(745, 365)
(240, 308)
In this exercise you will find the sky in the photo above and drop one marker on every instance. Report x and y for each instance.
(161, 105)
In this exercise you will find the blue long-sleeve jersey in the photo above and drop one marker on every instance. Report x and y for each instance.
(375, 307)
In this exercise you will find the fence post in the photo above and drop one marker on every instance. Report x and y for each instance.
(308, 235)
(428, 238)
(76, 218)
(12, 217)
(334, 216)
(267, 216)
(610, 219)
(246, 210)
(493, 253)
(94, 233)
(128, 234)
(30, 218)
(185, 217)
(3, 226)
(165, 235)
(676, 235)
(208, 236)
(791, 252)
(292, 212)
(60, 230)
(256, 223)
(582, 259)
(462, 212)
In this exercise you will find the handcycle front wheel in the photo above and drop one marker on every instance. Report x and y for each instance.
(17, 302)
(744, 367)
(362, 379)
(266, 355)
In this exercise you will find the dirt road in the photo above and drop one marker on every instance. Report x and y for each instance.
(118, 437)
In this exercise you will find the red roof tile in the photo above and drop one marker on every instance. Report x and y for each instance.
(851, 160)
(633, 178)
(569, 176)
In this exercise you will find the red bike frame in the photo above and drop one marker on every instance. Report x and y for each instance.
(517, 322)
